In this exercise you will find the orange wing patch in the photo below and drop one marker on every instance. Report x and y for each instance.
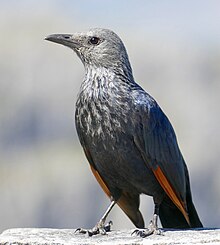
(100, 181)
(171, 192)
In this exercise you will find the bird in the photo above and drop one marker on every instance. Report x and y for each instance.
(128, 140)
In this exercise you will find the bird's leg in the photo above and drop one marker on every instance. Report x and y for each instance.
(101, 224)
(100, 227)
(153, 226)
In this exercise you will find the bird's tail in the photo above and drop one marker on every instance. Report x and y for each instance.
(171, 217)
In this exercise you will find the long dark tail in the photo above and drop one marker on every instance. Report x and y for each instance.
(170, 215)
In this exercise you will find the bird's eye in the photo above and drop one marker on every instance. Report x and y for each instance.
(94, 40)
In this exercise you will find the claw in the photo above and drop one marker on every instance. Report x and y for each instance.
(108, 226)
(152, 229)
(146, 232)
(80, 230)
(143, 233)
(98, 229)
(87, 231)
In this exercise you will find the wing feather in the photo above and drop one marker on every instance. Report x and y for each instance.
(158, 145)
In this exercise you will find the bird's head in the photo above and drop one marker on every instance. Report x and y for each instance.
(96, 47)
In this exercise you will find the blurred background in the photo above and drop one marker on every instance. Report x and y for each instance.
(174, 49)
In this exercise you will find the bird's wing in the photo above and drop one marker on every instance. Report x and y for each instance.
(157, 142)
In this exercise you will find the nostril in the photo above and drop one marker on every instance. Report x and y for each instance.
(66, 37)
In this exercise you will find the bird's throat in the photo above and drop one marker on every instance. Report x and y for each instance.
(98, 83)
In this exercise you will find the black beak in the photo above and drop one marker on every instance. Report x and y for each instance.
(64, 39)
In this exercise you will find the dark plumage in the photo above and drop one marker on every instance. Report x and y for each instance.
(128, 140)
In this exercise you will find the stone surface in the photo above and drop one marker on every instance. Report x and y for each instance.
(67, 236)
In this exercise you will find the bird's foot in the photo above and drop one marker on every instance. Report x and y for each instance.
(151, 230)
(146, 232)
(100, 228)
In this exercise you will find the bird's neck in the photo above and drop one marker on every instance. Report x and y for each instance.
(108, 75)
(99, 75)
(103, 84)
(97, 82)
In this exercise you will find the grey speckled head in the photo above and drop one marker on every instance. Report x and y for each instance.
(97, 47)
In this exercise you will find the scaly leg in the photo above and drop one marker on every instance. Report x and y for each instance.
(100, 227)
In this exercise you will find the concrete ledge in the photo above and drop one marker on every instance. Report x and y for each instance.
(67, 236)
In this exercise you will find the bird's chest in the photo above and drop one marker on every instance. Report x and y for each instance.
(102, 119)
(106, 124)
(105, 129)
